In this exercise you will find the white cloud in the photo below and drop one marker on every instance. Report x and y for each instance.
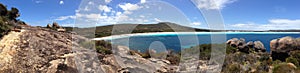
(61, 18)
(91, 3)
(129, 6)
(196, 23)
(140, 20)
(274, 24)
(95, 18)
(38, 2)
(142, 16)
(118, 13)
(157, 20)
(109, 15)
(90, 16)
(108, 1)
(122, 17)
(86, 8)
(212, 4)
(67, 24)
(284, 21)
(61, 2)
(104, 8)
(127, 12)
(143, 1)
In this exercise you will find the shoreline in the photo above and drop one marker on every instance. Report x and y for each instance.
(184, 33)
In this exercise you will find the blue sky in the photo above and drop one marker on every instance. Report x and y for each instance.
(237, 14)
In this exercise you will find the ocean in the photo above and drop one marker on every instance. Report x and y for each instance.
(142, 42)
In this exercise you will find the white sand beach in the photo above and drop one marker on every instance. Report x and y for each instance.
(185, 33)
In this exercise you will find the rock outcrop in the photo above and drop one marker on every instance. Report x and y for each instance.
(259, 46)
(136, 64)
(281, 47)
(49, 26)
(285, 44)
(242, 46)
(55, 26)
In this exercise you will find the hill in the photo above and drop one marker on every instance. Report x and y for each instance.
(101, 31)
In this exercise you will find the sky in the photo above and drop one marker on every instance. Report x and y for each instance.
(235, 14)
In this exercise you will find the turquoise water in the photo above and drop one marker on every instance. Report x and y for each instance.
(172, 41)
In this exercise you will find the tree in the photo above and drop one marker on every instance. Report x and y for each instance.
(3, 10)
(13, 13)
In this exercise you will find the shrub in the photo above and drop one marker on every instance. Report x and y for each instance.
(7, 19)
(146, 54)
(265, 57)
(3, 10)
(284, 68)
(203, 50)
(103, 47)
(103, 43)
(4, 28)
(232, 68)
(13, 13)
(87, 44)
(131, 52)
(292, 60)
(174, 58)
(159, 55)
(276, 62)
(103, 50)
(230, 49)
(262, 67)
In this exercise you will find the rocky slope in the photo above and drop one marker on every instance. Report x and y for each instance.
(43, 50)
(39, 50)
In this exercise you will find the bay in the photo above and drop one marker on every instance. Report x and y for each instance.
(171, 40)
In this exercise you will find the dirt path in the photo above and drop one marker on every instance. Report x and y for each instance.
(8, 48)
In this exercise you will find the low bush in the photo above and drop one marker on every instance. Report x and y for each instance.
(4, 27)
(146, 54)
(292, 60)
(276, 62)
(284, 68)
(87, 44)
(103, 50)
(232, 68)
(103, 47)
(174, 58)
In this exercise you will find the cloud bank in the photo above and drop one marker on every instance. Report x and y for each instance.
(273, 24)
(213, 4)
